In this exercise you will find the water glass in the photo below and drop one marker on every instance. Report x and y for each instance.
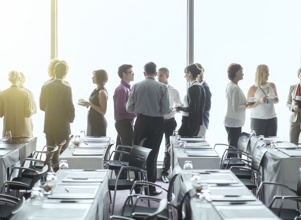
(188, 165)
(196, 182)
(63, 164)
(36, 196)
(175, 133)
(76, 141)
(182, 145)
(82, 136)
(9, 136)
(261, 137)
(51, 182)
(253, 133)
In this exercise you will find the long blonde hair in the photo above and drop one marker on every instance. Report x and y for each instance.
(260, 69)
(201, 75)
(52, 64)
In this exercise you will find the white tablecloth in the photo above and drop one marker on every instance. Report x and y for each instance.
(19, 150)
(98, 210)
(280, 168)
(178, 156)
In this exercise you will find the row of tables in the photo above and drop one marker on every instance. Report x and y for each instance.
(81, 192)
(276, 167)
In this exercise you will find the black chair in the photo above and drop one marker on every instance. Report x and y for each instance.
(249, 174)
(183, 207)
(23, 183)
(37, 164)
(137, 163)
(143, 215)
(65, 144)
(129, 207)
(107, 152)
(10, 205)
(283, 213)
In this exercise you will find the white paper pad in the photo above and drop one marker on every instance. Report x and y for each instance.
(232, 198)
(93, 145)
(286, 145)
(217, 178)
(201, 153)
(74, 192)
(5, 151)
(224, 191)
(193, 139)
(292, 153)
(87, 152)
(97, 139)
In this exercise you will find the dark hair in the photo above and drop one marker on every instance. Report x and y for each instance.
(164, 70)
(123, 68)
(150, 68)
(101, 77)
(233, 69)
(60, 70)
(195, 71)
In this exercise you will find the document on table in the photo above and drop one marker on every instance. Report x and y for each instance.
(73, 192)
(92, 152)
(97, 139)
(85, 176)
(201, 153)
(92, 145)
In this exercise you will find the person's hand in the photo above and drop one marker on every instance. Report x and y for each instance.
(86, 104)
(170, 110)
(263, 99)
(296, 108)
(276, 99)
(169, 150)
(177, 109)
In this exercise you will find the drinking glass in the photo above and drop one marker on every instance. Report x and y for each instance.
(36, 196)
(82, 136)
(175, 133)
(76, 141)
(196, 182)
(9, 136)
(261, 137)
(51, 182)
(182, 145)
(64, 164)
(253, 133)
(188, 165)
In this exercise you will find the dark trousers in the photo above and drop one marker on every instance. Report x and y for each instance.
(52, 141)
(233, 136)
(125, 132)
(266, 127)
(169, 126)
(191, 130)
(152, 129)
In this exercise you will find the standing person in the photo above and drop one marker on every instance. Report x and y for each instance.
(194, 103)
(236, 106)
(150, 101)
(16, 108)
(97, 123)
(200, 79)
(124, 120)
(295, 118)
(56, 101)
(170, 123)
(263, 115)
(32, 100)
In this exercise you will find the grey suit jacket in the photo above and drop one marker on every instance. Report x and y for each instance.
(56, 101)
(290, 104)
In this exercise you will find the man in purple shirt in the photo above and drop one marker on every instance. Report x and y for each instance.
(124, 120)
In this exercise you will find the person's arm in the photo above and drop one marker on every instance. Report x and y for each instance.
(69, 104)
(102, 98)
(276, 99)
(191, 108)
(164, 103)
(178, 98)
(43, 99)
(130, 105)
(208, 98)
(27, 107)
(289, 103)
(120, 101)
(33, 102)
(236, 103)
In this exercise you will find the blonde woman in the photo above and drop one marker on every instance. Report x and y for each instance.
(16, 108)
(203, 83)
(51, 67)
(263, 115)
(295, 119)
(32, 100)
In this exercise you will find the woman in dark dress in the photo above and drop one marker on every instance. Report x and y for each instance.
(97, 124)
(194, 103)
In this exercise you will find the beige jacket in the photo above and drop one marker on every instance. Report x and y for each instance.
(16, 109)
(290, 104)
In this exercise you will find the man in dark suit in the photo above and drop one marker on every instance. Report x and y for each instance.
(56, 101)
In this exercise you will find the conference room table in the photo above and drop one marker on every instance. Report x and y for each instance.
(277, 166)
(197, 150)
(79, 195)
(223, 197)
(88, 155)
(14, 151)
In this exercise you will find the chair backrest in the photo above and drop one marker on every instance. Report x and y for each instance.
(184, 206)
(39, 175)
(160, 209)
(175, 173)
(49, 156)
(138, 156)
(10, 205)
(257, 157)
(299, 184)
(244, 141)
(107, 150)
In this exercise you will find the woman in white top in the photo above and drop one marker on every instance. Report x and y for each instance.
(263, 115)
(236, 106)
(295, 119)
(32, 100)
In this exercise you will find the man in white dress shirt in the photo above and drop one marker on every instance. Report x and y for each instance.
(170, 123)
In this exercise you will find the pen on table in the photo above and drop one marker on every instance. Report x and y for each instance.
(66, 189)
